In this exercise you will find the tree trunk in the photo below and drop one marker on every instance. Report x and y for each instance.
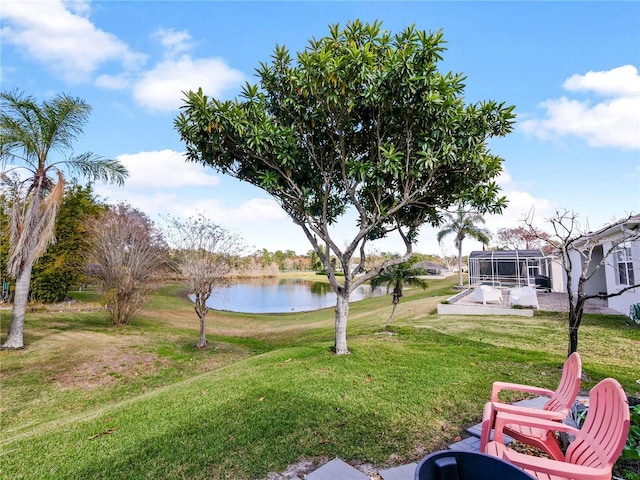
(393, 310)
(342, 311)
(201, 310)
(575, 318)
(15, 336)
(202, 342)
(460, 264)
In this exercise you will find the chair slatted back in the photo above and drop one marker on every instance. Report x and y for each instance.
(601, 439)
(567, 391)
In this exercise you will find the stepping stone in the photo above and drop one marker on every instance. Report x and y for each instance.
(476, 431)
(337, 469)
(405, 472)
(471, 444)
(537, 402)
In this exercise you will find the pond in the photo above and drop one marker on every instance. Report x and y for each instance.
(280, 295)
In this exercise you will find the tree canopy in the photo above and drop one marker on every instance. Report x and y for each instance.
(360, 120)
(60, 267)
(126, 251)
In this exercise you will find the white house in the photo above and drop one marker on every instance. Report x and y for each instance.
(615, 256)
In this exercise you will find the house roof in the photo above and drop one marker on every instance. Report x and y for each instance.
(630, 223)
(428, 265)
(506, 254)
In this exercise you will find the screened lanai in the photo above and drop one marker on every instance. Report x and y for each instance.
(509, 268)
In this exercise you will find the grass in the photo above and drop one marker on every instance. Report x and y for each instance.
(88, 400)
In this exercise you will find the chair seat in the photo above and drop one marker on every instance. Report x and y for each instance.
(499, 450)
(556, 408)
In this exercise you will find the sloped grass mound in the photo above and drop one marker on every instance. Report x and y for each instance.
(394, 395)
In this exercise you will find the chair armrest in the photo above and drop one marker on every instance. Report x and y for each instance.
(516, 387)
(503, 419)
(499, 407)
(555, 467)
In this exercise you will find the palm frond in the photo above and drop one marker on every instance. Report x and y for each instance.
(32, 225)
(94, 167)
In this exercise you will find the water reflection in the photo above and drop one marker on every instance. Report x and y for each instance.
(279, 295)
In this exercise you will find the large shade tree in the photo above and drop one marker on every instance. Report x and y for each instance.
(359, 124)
(36, 141)
(462, 224)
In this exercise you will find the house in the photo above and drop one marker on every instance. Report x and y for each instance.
(432, 268)
(613, 253)
(509, 268)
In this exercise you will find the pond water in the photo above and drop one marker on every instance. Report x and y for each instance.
(279, 295)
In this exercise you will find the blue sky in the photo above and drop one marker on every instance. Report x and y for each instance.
(571, 70)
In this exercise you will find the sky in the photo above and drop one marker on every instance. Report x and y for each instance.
(570, 68)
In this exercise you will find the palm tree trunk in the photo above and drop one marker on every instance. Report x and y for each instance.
(15, 336)
(393, 310)
(460, 264)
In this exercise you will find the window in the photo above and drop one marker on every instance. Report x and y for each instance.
(624, 266)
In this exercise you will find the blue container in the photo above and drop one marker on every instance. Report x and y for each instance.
(456, 465)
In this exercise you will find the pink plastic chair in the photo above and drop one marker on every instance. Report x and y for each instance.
(596, 447)
(557, 408)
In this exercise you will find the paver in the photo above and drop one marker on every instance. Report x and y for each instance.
(337, 469)
(405, 472)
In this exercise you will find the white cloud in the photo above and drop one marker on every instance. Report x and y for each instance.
(260, 209)
(162, 183)
(79, 7)
(620, 81)
(174, 43)
(610, 122)
(114, 82)
(65, 41)
(165, 169)
(160, 89)
(521, 205)
(60, 35)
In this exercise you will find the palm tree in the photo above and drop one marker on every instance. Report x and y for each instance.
(397, 276)
(33, 139)
(463, 223)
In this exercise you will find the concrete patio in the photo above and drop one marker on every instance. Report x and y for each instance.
(548, 301)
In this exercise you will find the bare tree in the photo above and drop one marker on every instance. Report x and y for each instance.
(524, 238)
(583, 255)
(203, 255)
(448, 260)
(127, 250)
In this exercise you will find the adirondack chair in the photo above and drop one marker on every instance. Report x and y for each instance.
(523, 296)
(485, 293)
(596, 447)
(556, 408)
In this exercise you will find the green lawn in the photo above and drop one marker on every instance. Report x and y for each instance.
(88, 400)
